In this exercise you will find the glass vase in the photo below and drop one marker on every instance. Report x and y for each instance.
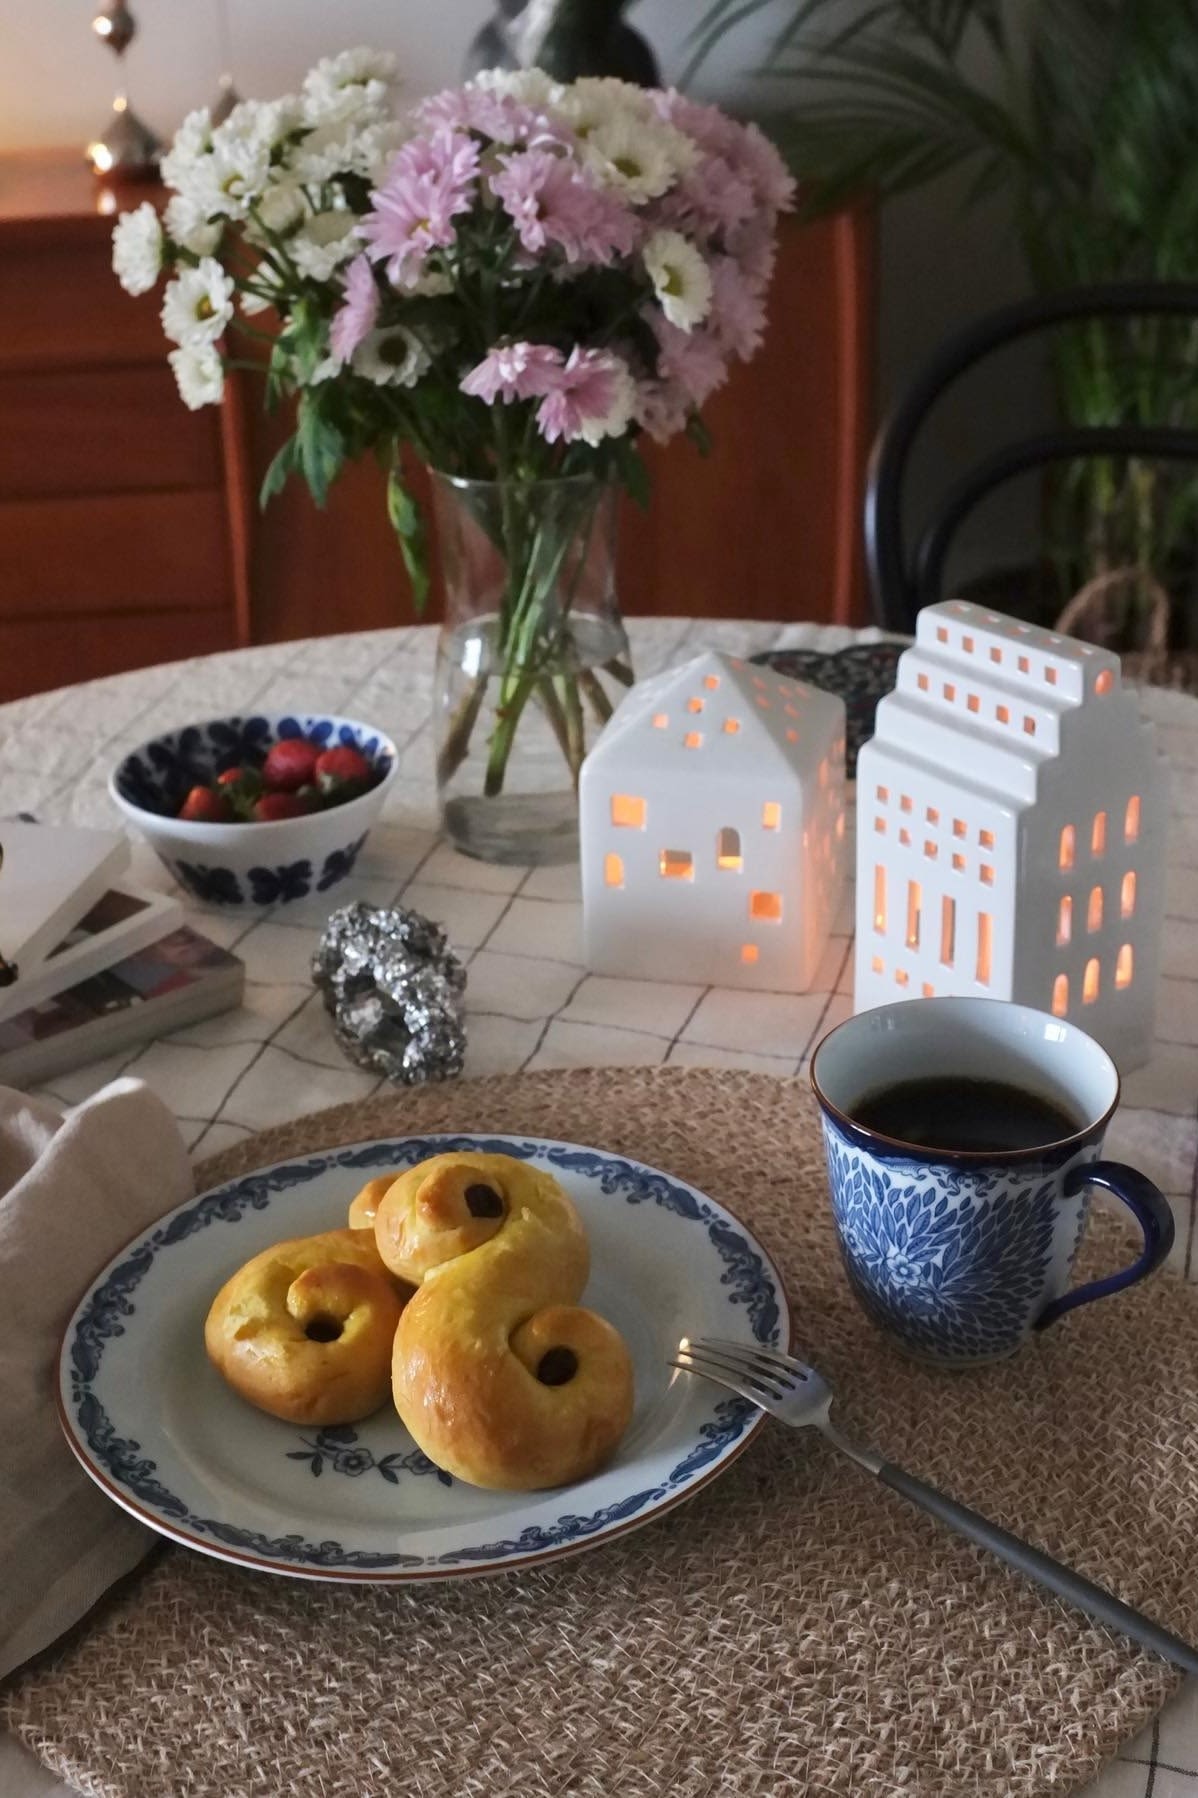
(531, 661)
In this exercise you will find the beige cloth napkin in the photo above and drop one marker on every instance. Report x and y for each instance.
(73, 1190)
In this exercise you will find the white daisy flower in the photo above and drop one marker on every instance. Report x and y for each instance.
(198, 374)
(188, 225)
(137, 249)
(325, 242)
(632, 156)
(198, 304)
(681, 278)
(328, 151)
(531, 87)
(374, 149)
(235, 175)
(192, 142)
(356, 84)
(596, 100)
(278, 212)
(391, 357)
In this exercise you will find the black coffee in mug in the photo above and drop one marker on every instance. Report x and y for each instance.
(971, 1116)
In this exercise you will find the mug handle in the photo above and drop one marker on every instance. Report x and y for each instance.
(1151, 1210)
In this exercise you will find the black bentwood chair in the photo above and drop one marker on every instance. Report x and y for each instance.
(904, 579)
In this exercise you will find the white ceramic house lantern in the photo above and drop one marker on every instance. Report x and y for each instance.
(1011, 815)
(712, 829)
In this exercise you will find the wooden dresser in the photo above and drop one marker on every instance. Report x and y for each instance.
(129, 527)
(123, 517)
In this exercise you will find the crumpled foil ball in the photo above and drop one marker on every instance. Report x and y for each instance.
(394, 988)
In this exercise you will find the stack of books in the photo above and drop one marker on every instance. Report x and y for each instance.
(89, 962)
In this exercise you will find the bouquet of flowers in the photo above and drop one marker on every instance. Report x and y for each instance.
(516, 279)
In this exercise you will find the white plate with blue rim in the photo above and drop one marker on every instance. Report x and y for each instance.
(156, 1427)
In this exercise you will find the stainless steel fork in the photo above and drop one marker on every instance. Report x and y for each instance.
(797, 1395)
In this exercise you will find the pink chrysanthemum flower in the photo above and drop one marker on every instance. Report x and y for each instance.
(514, 371)
(592, 397)
(430, 182)
(354, 319)
(737, 316)
(773, 180)
(499, 116)
(692, 361)
(661, 408)
(551, 201)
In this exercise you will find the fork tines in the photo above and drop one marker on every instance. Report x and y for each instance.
(759, 1375)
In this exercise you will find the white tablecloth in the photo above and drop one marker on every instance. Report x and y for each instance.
(531, 1003)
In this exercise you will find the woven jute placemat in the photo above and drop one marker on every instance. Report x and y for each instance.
(795, 1629)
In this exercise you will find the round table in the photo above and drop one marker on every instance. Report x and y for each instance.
(530, 1001)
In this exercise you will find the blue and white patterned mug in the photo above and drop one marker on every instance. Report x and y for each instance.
(960, 1256)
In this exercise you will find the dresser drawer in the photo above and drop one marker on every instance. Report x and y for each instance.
(63, 308)
(102, 431)
(113, 553)
(39, 653)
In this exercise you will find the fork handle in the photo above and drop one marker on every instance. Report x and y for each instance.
(1038, 1566)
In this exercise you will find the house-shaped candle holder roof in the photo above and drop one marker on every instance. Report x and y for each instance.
(712, 829)
(1011, 815)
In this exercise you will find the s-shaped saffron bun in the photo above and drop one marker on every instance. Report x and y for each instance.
(501, 1377)
(305, 1330)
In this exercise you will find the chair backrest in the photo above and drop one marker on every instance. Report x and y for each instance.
(902, 581)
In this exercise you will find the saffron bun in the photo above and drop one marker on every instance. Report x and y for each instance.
(498, 1373)
(305, 1329)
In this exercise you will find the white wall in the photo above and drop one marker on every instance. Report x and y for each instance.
(939, 265)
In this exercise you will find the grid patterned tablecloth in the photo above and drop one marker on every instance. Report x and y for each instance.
(531, 1003)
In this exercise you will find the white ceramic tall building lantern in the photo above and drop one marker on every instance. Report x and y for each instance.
(712, 829)
(1011, 814)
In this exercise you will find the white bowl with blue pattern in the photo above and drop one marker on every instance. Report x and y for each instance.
(157, 1428)
(249, 864)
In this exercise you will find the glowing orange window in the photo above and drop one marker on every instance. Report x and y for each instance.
(973, 702)
(941, 634)
(958, 827)
(693, 739)
(727, 850)
(766, 907)
(921, 681)
(1098, 834)
(1124, 966)
(876, 965)
(1103, 684)
(996, 655)
(985, 947)
(771, 815)
(1094, 910)
(1131, 820)
(1127, 894)
(986, 839)
(676, 864)
(1064, 921)
(1050, 675)
(928, 990)
(711, 682)
(628, 812)
(613, 870)
(694, 705)
(1003, 714)
(1090, 982)
(948, 930)
(914, 901)
(731, 726)
(880, 900)
(1068, 847)
(792, 736)
(661, 721)
(748, 953)
(1060, 995)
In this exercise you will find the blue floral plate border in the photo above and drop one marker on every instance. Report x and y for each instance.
(155, 1427)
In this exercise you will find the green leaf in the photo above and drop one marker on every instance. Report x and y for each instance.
(321, 448)
(281, 466)
(698, 433)
(632, 471)
(407, 522)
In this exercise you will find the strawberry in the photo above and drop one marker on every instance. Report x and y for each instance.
(230, 777)
(273, 806)
(340, 769)
(203, 806)
(290, 764)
